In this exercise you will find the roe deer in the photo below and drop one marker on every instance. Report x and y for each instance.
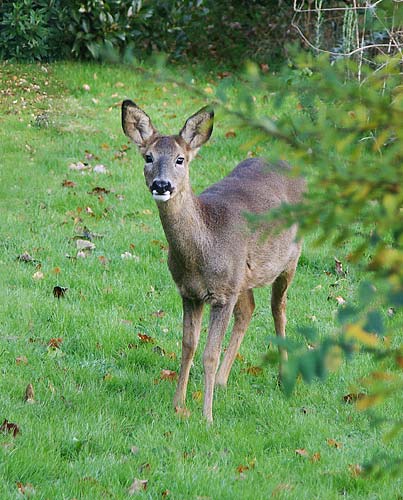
(213, 257)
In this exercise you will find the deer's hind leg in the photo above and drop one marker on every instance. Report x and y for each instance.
(243, 311)
(278, 307)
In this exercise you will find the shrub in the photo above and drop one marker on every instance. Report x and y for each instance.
(33, 30)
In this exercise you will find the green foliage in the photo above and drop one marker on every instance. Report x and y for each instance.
(192, 30)
(346, 136)
(32, 30)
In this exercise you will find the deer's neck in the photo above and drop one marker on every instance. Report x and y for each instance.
(184, 224)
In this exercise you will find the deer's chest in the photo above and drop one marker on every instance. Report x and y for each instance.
(202, 280)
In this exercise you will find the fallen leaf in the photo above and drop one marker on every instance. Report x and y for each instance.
(168, 375)
(100, 169)
(301, 452)
(26, 489)
(21, 360)
(25, 257)
(264, 68)
(340, 300)
(339, 268)
(230, 134)
(165, 493)
(145, 338)
(99, 190)
(254, 370)
(103, 260)
(159, 350)
(355, 469)
(159, 314)
(68, 184)
(315, 457)
(129, 256)
(79, 166)
(197, 396)
(85, 245)
(353, 397)
(59, 291)
(55, 343)
(242, 468)
(29, 396)
(9, 427)
(334, 444)
(239, 357)
(138, 486)
(144, 467)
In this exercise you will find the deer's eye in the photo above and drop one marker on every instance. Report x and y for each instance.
(180, 160)
(148, 158)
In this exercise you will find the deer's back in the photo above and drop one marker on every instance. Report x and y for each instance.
(254, 186)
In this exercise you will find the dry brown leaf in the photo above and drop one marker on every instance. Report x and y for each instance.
(146, 339)
(254, 370)
(230, 134)
(301, 452)
(315, 457)
(59, 291)
(138, 486)
(29, 396)
(55, 343)
(68, 184)
(25, 489)
(9, 427)
(242, 468)
(339, 268)
(168, 375)
(334, 444)
(355, 469)
(159, 314)
(353, 397)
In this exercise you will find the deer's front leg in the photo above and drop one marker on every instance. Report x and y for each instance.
(192, 317)
(219, 319)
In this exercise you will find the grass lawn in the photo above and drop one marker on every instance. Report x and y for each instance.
(102, 414)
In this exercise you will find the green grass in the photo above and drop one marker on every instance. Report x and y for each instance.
(100, 394)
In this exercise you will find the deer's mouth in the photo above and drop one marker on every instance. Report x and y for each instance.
(161, 196)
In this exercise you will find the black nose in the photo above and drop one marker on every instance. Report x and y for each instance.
(161, 186)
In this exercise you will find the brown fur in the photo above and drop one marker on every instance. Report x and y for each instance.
(213, 256)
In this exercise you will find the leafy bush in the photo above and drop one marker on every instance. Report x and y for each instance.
(189, 30)
(348, 135)
(32, 30)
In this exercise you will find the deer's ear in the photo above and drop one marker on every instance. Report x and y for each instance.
(198, 128)
(136, 124)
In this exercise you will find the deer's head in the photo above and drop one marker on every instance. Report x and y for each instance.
(167, 157)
